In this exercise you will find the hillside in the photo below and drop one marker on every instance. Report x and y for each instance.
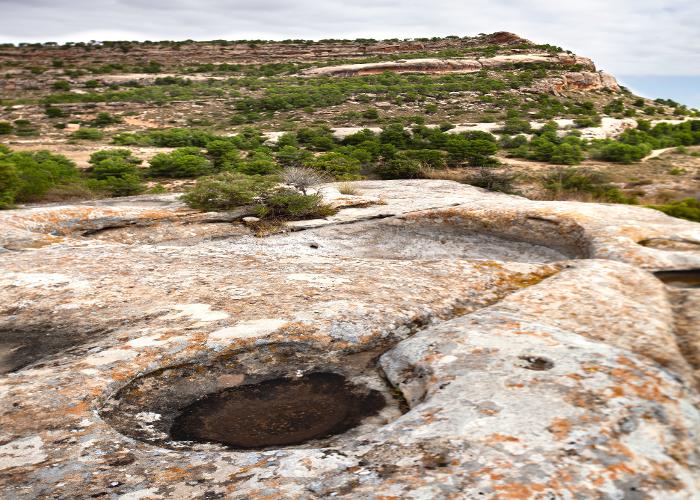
(77, 99)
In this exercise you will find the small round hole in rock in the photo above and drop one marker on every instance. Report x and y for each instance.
(277, 412)
(536, 363)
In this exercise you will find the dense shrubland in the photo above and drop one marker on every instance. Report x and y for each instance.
(26, 177)
(567, 148)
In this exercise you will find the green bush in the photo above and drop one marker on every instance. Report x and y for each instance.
(619, 152)
(125, 154)
(112, 167)
(123, 184)
(182, 163)
(290, 156)
(169, 138)
(399, 167)
(614, 107)
(259, 163)
(63, 85)
(6, 128)
(431, 158)
(289, 204)
(516, 125)
(26, 176)
(493, 181)
(588, 121)
(115, 172)
(338, 165)
(226, 191)
(566, 154)
(25, 128)
(9, 184)
(370, 114)
(90, 134)
(104, 119)
(477, 151)
(53, 112)
(689, 209)
(591, 182)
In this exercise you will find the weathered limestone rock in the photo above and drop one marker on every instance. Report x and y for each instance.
(434, 65)
(523, 348)
(577, 81)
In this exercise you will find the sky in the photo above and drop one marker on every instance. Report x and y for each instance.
(643, 42)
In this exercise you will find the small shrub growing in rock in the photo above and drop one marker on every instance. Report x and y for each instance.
(6, 128)
(348, 188)
(289, 204)
(226, 191)
(303, 178)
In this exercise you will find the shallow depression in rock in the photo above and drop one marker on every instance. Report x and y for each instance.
(397, 240)
(682, 278)
(278, 412)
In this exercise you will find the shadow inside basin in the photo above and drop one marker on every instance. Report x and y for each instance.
(680, 278)
(277, 412)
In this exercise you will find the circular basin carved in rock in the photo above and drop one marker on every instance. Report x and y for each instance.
(278, 412)
(275, 395)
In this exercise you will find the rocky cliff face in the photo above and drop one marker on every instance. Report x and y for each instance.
(569, 81)
(577, 81)
(434, 65)
(522, 349)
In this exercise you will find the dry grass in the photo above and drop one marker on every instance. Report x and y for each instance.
(348, 188)
(67, 192)
(450, 174)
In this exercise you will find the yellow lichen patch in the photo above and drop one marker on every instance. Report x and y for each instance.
(516, 491)
(501, 438)
(560, 427)
(172, 474)
(78, 408)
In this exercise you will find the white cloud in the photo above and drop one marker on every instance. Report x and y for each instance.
(622, 36)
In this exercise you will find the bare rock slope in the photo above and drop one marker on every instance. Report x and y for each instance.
(494, 347)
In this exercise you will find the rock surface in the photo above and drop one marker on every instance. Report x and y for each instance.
(577, 81)
(461, 65)
(524, 348)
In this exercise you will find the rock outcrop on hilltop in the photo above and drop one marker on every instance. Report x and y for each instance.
(461, 65)
(569, 81)
(577, 81)
(519, 349)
